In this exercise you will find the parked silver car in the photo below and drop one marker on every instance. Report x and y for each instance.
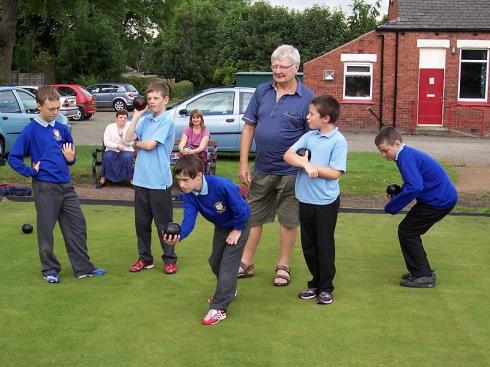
(119, 96)
(222, 108)
(68, 107)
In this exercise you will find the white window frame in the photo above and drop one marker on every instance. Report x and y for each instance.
(347, 74)
(459, 76)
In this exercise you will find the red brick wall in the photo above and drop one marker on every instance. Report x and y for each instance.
(355, 116)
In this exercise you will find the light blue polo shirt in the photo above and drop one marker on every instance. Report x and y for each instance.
(152, 168)
(329, 150)
(278, 125)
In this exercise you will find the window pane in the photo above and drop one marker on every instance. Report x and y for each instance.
(244, 100)
(29, 102)
(357, 86)
(214, 104)
(473, 80)
(8, 102)
(474, 54)
(358, 69)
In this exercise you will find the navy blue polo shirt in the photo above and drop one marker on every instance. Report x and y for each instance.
(278, 125)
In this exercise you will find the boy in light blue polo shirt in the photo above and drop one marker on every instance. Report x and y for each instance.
(153, 136)
(317, 190)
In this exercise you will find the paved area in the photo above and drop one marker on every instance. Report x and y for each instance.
(452, 149)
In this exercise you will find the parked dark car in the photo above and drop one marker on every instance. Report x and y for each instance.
(17, 108)
(118, 96)
(85, 101)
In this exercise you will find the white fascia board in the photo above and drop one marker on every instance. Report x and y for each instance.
(358, 57)
(432, 43)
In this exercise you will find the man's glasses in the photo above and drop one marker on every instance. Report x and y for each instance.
(280, 67)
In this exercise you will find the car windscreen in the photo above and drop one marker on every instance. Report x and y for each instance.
(130, 88)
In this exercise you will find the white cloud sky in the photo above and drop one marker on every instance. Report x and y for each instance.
(344, 4)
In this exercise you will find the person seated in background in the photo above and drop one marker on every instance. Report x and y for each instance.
(117, 162)
(195, 138)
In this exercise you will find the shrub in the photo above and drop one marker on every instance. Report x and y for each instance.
(181, 89)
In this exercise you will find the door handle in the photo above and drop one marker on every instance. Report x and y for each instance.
(5, 118)
(230, 120)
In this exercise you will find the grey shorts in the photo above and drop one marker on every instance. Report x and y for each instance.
(270, 195)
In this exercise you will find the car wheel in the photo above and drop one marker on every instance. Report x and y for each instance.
(87, 116)
(80, 115)
(119, 105)
(2, 147)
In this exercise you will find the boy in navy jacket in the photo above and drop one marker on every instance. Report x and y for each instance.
(51, 148)
(425, 181)
(219, 201)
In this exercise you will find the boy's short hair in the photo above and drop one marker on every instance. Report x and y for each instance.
(46, 92)
(159, 87)
(188, 165)
(387, 135)
(122, 112)
(327, 106)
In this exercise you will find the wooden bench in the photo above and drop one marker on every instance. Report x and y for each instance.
(98, 154)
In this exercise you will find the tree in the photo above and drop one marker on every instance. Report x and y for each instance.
(364, 18)
(187, 47)
(90, 49)
(246, 37)
(7, 40)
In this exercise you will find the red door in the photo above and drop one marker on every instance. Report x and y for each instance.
(431, 86)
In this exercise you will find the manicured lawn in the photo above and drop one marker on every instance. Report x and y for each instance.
(152, 319)
(367, 173)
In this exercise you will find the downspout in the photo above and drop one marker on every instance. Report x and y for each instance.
(395, 92)
(381, 86)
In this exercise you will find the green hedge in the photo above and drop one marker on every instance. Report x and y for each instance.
(181, 89)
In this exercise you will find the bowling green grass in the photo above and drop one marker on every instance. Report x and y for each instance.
(152, 319)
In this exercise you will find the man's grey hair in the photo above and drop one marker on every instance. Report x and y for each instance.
(286, 51)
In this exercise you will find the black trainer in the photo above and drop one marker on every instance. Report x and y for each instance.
(410, 275)
(308, 293)
(420, 282)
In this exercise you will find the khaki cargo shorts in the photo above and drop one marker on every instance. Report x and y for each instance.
(270, 195)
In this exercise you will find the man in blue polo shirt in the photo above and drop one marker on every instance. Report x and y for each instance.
(276, 119)
(153, 135)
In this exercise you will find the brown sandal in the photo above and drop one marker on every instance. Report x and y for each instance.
(281, 276)
(245, 271)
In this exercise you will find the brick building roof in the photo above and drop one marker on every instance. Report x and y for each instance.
(449, 15)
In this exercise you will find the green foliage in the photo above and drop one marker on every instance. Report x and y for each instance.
(364, 17)
(225, 74)
(90, 47)
(372, 321)
(203, 41)
(317, 30)
(181, 89)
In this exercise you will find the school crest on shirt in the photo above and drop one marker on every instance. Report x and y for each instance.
(220, 208)
(56, 134)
